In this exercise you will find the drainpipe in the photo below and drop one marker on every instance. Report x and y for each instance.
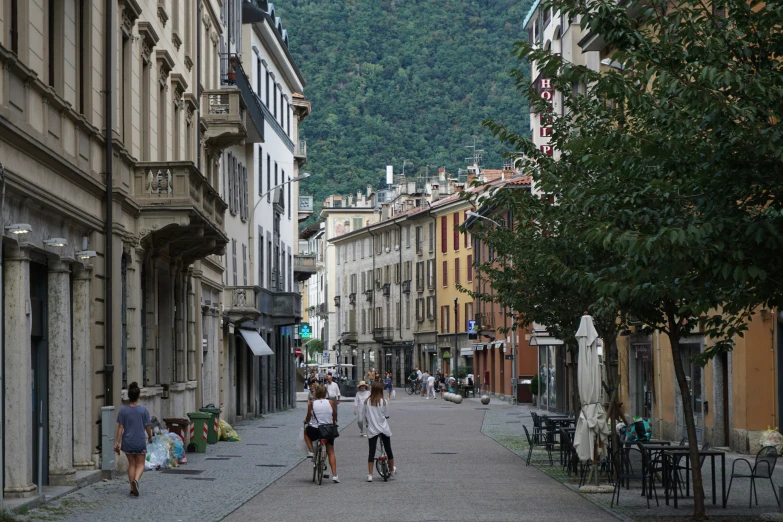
(198, 87)
(2, 343)
(108, 95)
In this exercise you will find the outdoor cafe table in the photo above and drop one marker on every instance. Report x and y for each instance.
(684, 452)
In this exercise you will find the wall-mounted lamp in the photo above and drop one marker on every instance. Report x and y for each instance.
(181, 102)
(56, 242)
(86, 254)
(135, 37)
(19, 228)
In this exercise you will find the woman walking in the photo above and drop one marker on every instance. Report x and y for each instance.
(387, 384)
(133, 434)
(376, 413)
(358, 405)
(321, 411)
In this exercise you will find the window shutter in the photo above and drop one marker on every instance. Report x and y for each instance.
(465, 242)
(455, 217)
(260, 163)
(443, 238)
(456, 271)
(445, 273)
(244, 192)
(470, 268)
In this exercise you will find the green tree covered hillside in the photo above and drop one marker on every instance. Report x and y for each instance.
(402, 79)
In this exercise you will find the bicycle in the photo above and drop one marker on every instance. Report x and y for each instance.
(413, 387)
(382, 463)
(319, 460)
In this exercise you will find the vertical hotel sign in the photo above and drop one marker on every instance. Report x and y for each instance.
(545, 129)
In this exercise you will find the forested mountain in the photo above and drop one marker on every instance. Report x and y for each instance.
(391, 80)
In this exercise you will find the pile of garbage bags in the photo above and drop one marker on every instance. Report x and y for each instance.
(772, 437)
(166, 451)
(227, 433)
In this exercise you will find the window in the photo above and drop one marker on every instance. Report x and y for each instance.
(161, 123)
(269, 261)
(145, 111)
(431, 274)
(444, 319)
(289, 197)
(52, 42)
(339, 251)
(419, 309)
(260, 171)
(468, 314)
(397, 273)
(407, 274)
(274, 102)
(455, 219)
(237, 168)
(234, 259)
(387, 274)
(268, 178)
(456, 271)
(267, 90)
(364, 319)
(445, 273)
(244, 264)
(443, 238)
(418, 239)
(244, 192)
(431, 308)
(408, 312)
(15, 26)
(353, 248)
(456, 317)
(276, 182)
(364, 282)
(260, 259)
(230, 180)
(420, 276)
(408, 236)
(124, 87)
(361, 248)
(432, 236)
(353, 283)
(356, 223)
(258, 76)
(470, 268)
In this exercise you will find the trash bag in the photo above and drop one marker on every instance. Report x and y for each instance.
(772, 437)
(179, 447)
(640, 430)
(300, 441)
(171, 458)
(227, 433)
(157, 455)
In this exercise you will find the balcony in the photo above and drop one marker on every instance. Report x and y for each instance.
(485, 324)
(300, 152)
(368, 295)
(232, 74)
(406, 287)
(386, 290)
(241, 303)
(304, 266)
(224, 117)
(179, 209)
(383, 335)
(321, 311)
(352, 299)
(284, 308)
(350, 338)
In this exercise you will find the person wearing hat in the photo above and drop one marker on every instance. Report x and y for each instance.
(358, 404)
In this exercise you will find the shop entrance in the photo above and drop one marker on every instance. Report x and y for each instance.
(40, 366)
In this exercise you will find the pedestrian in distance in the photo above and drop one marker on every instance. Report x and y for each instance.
(376, 415)
(333, 393)
(387, 384)
(431, 387)
(133, 434)
(362, 395)
(425, 377)
(321, 411)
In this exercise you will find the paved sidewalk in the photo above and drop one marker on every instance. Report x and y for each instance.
(448, 471)
(505, 426)
(231, 473)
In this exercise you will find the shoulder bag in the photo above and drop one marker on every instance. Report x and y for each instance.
(326, 431)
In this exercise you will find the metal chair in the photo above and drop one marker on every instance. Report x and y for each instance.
(766, 459)
(533, 444)
(632, 464)
(537, 430)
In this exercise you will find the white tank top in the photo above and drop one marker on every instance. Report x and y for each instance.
(323, 410)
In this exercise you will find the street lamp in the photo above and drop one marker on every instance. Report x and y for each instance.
(455, 357)
(300, 177)
(479, 216)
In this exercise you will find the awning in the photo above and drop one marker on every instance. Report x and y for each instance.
(477, 347)
(446, 355)
(255, 342)
(467, 352)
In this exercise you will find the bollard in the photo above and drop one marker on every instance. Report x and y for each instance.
(107, 442)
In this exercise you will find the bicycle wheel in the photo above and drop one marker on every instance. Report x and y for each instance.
(410, 388)
(316, 450)
(321, 464)
(386, 473)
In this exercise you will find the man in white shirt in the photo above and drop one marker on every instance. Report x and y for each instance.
(424, 381)
(332, 392)
(430, 387)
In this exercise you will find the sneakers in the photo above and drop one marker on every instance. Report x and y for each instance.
(394, 471)
(369, 478)
(364, 435)
(135, 488)
(309, 454)
(336, 479)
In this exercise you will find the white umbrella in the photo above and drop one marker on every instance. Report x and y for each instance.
(591, 426)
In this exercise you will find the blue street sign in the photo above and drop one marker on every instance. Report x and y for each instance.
(472, 326)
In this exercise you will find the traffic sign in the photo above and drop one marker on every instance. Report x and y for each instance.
(325, 356)
(304, 331)
(298, 352)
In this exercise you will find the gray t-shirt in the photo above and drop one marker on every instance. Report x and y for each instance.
(134, 420)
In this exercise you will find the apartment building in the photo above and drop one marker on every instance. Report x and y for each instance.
(261, 296)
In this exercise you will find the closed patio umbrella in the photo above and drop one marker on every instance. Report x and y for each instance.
(591, 426)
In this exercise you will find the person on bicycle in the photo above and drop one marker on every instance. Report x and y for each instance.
(358, 405)
(321, 411)
(376, 413)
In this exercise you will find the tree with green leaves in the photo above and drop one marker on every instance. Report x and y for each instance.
(670, 165)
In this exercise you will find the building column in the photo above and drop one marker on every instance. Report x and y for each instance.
(198, 337)
(18, 377)
(61, 470)
(82, 390)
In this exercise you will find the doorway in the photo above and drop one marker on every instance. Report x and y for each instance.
(39, 277)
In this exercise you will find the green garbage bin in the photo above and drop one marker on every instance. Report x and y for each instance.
(212, 434)
(198, 430)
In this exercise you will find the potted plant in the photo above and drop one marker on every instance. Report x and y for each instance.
(232, 72)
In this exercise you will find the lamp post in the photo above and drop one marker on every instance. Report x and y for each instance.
(300, 177)
(455, 357)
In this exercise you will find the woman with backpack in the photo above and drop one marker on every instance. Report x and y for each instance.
(376, 413)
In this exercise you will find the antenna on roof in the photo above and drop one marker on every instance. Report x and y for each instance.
(477, 153)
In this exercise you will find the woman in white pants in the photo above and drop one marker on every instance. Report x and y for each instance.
(431, 387)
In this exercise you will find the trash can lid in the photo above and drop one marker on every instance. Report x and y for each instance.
(216, 411)
(199, 415)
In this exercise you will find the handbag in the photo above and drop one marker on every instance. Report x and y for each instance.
(326, 431)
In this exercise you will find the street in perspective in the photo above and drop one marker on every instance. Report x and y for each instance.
(420, 261)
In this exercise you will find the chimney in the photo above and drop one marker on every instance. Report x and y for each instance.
(442, 173)
(471, 177)
(369, 190)
(435, 192)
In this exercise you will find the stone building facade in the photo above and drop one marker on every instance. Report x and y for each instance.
(113, 127)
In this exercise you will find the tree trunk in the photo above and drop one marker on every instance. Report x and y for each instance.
(699, 512)
(611, 364)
